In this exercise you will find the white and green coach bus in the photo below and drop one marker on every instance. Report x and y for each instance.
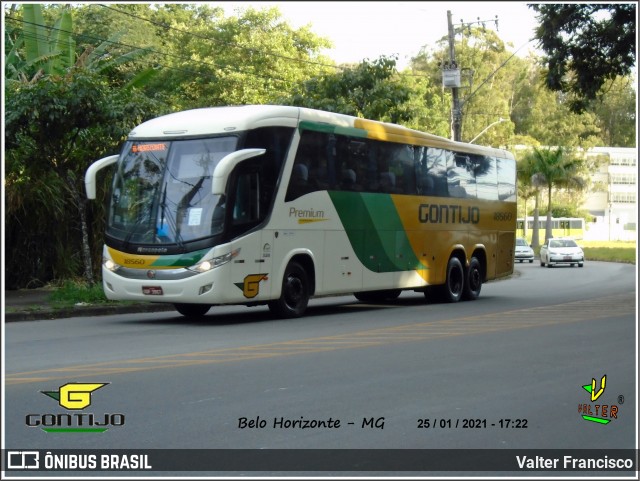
(275, 205)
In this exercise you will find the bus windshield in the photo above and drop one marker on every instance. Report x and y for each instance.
(161, 191)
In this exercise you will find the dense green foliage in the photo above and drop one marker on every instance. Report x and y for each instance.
(78, 78)
(54, 129)
(586, 45)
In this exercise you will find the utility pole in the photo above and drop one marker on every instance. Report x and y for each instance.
(456, 114)
(451, 74)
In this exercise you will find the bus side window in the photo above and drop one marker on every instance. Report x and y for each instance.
(403, 168)
(486, 175)
(461, 177)
(276, 141)
(246, 207)
(426, 184)
(310, 169)
(506, 179)
(436, 167)
(298, 182)
(348, 181)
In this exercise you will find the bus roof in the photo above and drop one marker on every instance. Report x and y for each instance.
(217, 120)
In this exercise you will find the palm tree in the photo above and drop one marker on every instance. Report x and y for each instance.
(527, 190)
(556, 168)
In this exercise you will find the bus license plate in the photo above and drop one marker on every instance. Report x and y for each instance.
(152, 290)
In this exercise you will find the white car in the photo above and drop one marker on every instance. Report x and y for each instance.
(561, 251)
(523, 251)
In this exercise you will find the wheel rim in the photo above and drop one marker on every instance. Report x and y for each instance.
(294, 291)
(474, 279)
(456, 278)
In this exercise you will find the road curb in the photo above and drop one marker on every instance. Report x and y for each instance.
(77, 311)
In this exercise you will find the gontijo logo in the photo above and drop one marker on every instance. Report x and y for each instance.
(598, 413)
(74, 396)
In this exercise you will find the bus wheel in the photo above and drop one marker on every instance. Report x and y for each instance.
(295, 293)
(473, 280)
(192, 310)
(454, 285)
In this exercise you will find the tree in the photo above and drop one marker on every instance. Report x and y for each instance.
(37, 49)
(556, 168)
(528, 187)
(254, 57)
(527, 190)
(615, 113)
(368, 90)
(491, 78)
(54, 128)
(586, 45)
(426, 109)
(374, 89)
(57, 108)
(545, 115)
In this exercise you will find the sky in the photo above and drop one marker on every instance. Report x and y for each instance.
(362, 30)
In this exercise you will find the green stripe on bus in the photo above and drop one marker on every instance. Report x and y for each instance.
(375, 231)
(180, 260)
(333, 129)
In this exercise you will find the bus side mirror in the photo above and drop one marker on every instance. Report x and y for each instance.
(90, 175)
(226, 165)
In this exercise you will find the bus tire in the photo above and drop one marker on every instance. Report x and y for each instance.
(378, 296)
(453, 287)
(473, 280)
(295, 293)
(192, 310)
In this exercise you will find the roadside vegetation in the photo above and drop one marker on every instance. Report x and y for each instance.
(606, 251)
(609, 251)
(71, 293)
(79, 77)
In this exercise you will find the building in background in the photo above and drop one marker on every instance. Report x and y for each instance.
(613, 201)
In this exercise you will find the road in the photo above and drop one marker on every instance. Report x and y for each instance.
(503, 372)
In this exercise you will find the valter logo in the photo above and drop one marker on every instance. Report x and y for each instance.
(74, 397)
(598, 413)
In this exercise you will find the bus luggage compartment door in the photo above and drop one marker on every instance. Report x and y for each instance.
(504, 264)
(342, 271)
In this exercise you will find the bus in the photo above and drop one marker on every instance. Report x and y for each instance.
(275, 205)
(560, 227)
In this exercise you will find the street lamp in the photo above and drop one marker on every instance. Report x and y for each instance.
(487, 128)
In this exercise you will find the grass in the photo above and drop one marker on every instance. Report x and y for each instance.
(73, 292)
(608, 251)
(611, 251)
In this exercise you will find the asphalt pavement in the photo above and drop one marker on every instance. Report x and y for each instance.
(35, 304)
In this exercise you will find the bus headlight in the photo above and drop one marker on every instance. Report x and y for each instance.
(109, 264)
(207, 264)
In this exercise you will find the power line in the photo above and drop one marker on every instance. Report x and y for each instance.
(228, 44)
(149, 50)
(202, 37)
(250, 49)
